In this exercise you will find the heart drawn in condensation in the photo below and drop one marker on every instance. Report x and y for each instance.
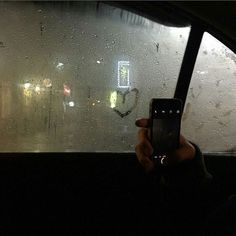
(126, 102)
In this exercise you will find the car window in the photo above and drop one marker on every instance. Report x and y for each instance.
(210, 111)
(74, 78)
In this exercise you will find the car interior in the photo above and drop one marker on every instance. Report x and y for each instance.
(75, 76)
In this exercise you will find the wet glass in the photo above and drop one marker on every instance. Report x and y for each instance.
(75, 76)
(210, 111)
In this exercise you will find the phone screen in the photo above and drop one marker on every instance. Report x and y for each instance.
(165, 133)
(166, 120)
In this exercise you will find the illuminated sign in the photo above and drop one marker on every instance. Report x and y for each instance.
(123, 74)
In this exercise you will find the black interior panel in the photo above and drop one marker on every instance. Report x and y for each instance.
(85, 193)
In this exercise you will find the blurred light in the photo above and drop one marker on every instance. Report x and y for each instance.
(37, 89)
(27, 92)
(27, 85)
(60, 65)
(113, 99)
(47, 83)
(202, 72)
(71, 104)
(93, 104)
(99, 101)
(67, 90)
(98, 62)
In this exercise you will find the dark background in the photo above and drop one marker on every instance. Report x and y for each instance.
(85, 193)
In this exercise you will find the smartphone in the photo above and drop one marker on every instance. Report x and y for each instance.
(165, 117)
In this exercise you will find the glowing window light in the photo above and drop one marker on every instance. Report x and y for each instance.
(210, 43)
(123, 74)
(113, 99)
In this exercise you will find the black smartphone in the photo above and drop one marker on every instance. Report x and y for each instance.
(165, 117)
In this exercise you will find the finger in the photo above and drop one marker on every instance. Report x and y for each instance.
(144, 147)
(143, 159)
(184, 153)
(178, 154)
(143, 135)
(143, 122)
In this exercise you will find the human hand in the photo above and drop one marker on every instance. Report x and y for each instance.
(144, 150)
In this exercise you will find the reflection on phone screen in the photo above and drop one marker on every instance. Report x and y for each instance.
(165, 133)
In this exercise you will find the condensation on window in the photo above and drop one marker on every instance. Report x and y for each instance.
(210, 111)
(75, 76)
